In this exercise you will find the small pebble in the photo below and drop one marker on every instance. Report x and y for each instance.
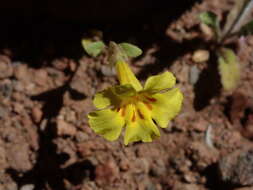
(37, 114)
(3, 112)
(27, 187)
(194, 74)
(107, 71)
(5, 65)
(81, 136)
(208, 32)
(200, 56)
(64, 128)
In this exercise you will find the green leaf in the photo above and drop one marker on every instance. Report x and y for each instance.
(247, 29)
(208, 18)
(229, 69)
(130, 50)
(93, 48)
(211, 20)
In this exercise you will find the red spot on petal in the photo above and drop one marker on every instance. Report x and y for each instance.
(150, 99)
(133, 117)
(123, 111)
(149, 106)
(140, 114)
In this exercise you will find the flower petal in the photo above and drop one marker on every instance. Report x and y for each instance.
(124, 91)
(101, 100)
(146, 112)
(106, 98)
(107, 123)
(166, 106)
(143, 128)
(140, 131)
(160, 82)
(126, 76)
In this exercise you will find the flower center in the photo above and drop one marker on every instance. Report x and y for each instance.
(136, 107)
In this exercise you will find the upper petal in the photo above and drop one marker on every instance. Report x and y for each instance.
(104, 98)
(107, 123)
(113, 96)
(126, 76)
(166, 106)
(160, 82)
(124, 91)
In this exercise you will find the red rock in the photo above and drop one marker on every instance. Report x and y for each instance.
(189, 177)
(247, 131)
(124, 164)
(202, 155)
(21, 72)
(181, 186)
(200, 125)
(18, 108)
(60, 64)
(64, 128)
(107, 172)
(18, 157)
(72, 65)
(158, 168)
(141, 166)
(81, 136)
(37, 114)
(239, 103)
(32, 132)
(40, 77)
(6, 69)
(85, 148)
(3, 161)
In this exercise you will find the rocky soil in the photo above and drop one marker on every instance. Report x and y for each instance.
(46, 143)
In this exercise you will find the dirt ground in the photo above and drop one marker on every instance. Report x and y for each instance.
(46, 143)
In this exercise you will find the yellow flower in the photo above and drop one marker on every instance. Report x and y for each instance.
(139, 109)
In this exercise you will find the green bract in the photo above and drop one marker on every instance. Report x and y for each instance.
(229, 69)
(93, 48)
(211, 20)
(131, 50)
